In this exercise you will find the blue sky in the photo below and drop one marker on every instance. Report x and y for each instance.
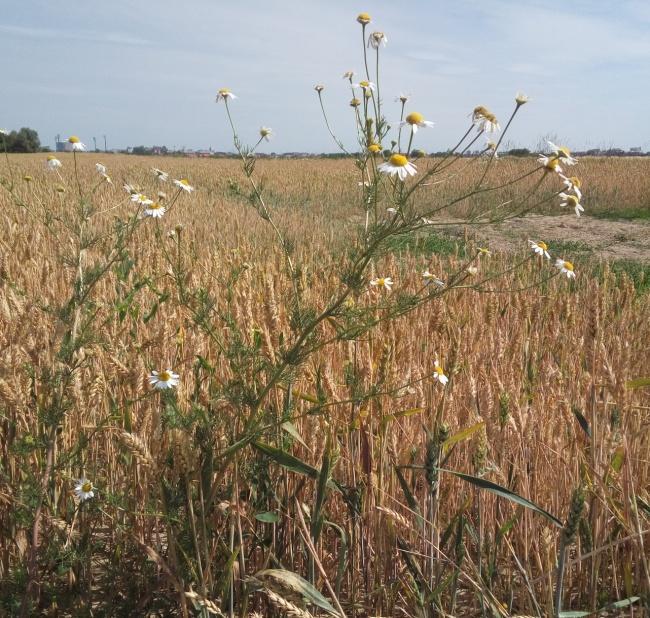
(146, 71)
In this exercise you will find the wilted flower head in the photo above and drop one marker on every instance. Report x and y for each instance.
(84, 489)
(266, 133)
(431, 278)
(159, 174)
(377, 39)
(355, 102)
(398, 165)
(363, 19)
(415, 120)
(319, 88)
(521, 98)
(566, 268)
(348, 75)
(402, 98)
(101, 168)
(224, 94)
(76, 144)
(485, 119)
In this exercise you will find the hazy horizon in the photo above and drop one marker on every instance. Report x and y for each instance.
(148, 75)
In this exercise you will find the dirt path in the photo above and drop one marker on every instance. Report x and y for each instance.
(613, 240)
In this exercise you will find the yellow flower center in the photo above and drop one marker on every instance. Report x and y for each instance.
(355, 103)
(575, 182)
(568, 266)
(164, 376)
(414, 118)
(51, 158)
(542, 245)
(364, 84)
(374, 148)
(572, 200)
(363, 18)
(60, 189)
(73, 139)
(381, 282)
(480, 111)
(398, 160)
(224, 91)
(155, 206)
(563, 151)
(552, 164)
(439, 370)
(86, 487)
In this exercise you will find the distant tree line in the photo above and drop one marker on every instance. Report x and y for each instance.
(23, 140)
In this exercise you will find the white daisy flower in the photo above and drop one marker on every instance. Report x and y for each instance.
(53, 163)
(572, 201)
(431, 278)
(101, 168)
(84, 489)
(141, 198)
(164, 379)
(364, 85)
(348, 75)
(159, 174)
(75, 144)
(4, 132)
(562, 153)
(398, 164)
(266, 133)
(224, 94)
(155, 210)
(382, 283)
(491, 148)
(573, 184)
(439, 374)
(485, 119)
(184, 185)
(377, 39)
(415, 120)
(539, 248)
(566, 268)
(551, 164)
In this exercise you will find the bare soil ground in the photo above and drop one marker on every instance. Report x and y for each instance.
(611, 240)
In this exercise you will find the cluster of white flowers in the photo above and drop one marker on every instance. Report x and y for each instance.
(552, 162)
(540, 248)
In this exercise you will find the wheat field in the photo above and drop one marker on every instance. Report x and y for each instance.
(342, 471)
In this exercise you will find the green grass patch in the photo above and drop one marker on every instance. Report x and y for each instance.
(623, 214)
(568, 247)
(425, 243)
(638, 272)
